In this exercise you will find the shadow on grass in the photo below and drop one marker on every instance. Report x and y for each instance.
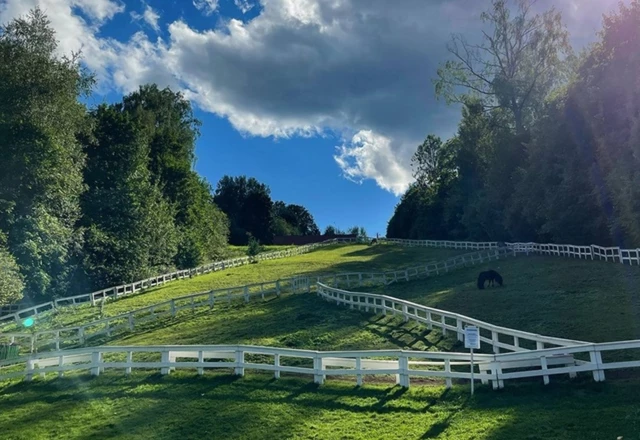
(215, 405)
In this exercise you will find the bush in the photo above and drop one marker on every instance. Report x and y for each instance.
(254, 247)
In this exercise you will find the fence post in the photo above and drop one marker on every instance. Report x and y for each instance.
(596, 359)
(276, 363)
(96, 360)
(173, 307)
(277, 287)
(129, 361)
(239, 369)
(359, 375)
(543, 365)
(246, 293)
(447, 370)
(405, 312)
(212, 299)
(403, 363)
(165, 360)
(317, 370)
(200, 360)
(494, 342)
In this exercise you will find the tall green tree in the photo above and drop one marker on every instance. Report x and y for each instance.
(171, 131)
(129, 227)
(41, 172)
(297, 220)
(249, 207)
(520, 59)
(11, 280)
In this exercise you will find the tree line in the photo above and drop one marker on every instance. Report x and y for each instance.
(547, 146)
(91, 198)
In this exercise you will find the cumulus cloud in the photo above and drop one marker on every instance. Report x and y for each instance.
(244, 5)
(207, 7)
(149, 16)
(372, 156)
(359, 69)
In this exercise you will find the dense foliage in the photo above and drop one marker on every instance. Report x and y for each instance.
(91, 198)
(558, 163)
(252, 213)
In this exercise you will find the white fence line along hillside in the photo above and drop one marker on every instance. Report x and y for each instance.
(495, 336)
(404, 364)
(72, 336)
(160, 280)
(614, 254)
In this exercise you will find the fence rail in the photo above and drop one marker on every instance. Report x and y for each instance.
(615, 254)
(496, 337)
(72, 336)
(404, 364)
(12, 313)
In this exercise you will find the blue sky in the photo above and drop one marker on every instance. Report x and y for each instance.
(325, 102)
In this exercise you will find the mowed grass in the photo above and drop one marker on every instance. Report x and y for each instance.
(295, 321)
(218, 406)
(589, 300)
(592, 301)
(331, 259)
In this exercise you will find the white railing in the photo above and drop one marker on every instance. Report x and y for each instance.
(138, 286)
(73, 336)
(495, 336)
(615, 254)
(404, 364)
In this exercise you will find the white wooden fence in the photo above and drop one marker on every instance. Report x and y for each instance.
(13, 313)
(494, 336)
(614, 254)
(72, 336)
(404, 364)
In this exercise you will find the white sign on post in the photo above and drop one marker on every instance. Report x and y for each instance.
(471, 340)
(471, 337)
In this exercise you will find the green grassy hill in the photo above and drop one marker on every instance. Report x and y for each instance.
(331, 259)
(560, 297)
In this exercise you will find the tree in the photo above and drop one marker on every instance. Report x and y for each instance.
(171, 130)
(606, 97)
(11, 281)
(248, 205)
(41, 173)
(520, 59)
(130, 233)
(332, 230)
(297, 220)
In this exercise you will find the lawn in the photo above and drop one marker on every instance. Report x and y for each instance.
(330, 259)
(589, 300)
(586, 300)
(217, 406)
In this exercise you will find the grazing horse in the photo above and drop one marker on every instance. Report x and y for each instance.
(374, 241)
(491, 276)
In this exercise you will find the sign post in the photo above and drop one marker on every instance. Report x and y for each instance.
(471, 341)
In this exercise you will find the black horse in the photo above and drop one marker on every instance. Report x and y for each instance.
(491, 276)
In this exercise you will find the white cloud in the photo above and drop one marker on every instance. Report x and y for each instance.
(358, 68)
(373, 156)
(207, 7)
(244, 5)
(150, 16)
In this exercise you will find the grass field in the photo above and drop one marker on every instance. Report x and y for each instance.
(587, 300)
(218, 406)
(331, 259)
(591, 301)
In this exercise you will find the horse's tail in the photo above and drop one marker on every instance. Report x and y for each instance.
(481, 281)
